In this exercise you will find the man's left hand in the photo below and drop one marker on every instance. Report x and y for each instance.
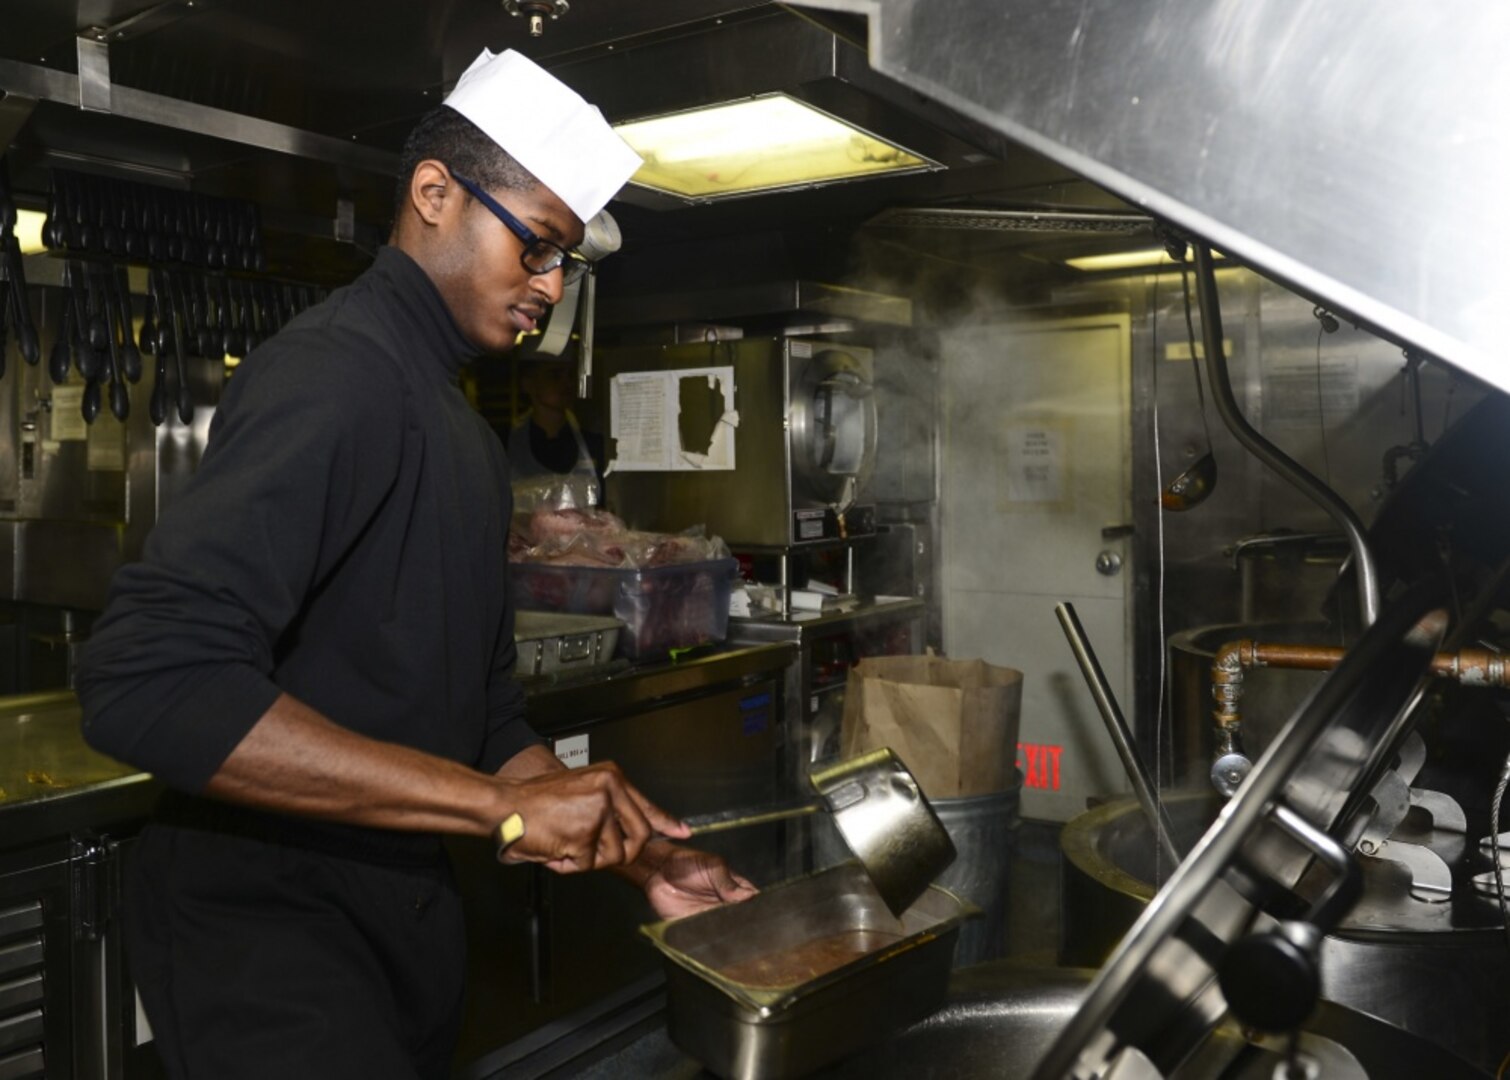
(684, 881)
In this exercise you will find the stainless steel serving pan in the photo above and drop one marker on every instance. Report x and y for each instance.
(742, 1029)
(549, 642)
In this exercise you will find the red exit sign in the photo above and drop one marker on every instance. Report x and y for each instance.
(1039, 763)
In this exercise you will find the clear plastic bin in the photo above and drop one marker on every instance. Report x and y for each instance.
(662, 608)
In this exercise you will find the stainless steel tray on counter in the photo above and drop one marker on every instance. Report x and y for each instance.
(740, 1002)
(551, 642)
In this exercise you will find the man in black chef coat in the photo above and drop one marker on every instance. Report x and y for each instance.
(315, 653)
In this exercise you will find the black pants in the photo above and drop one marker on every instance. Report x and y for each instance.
(262, 960)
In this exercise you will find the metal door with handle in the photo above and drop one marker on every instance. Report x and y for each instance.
(1036, 452)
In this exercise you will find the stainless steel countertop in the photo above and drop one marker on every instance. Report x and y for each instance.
(554, 707)
(799, 629)
(42, 753)
(44, 760)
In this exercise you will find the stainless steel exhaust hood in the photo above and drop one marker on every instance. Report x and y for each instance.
(1353, 150)
(772, 55)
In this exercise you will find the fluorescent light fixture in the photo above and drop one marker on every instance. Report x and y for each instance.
(28, 231)
(762, 143)
(1128, 260)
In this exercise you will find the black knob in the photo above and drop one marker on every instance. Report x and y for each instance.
(1271, 981)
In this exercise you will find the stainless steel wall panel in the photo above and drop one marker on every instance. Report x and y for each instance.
(65, 563)
(76, 501)
(746, 506)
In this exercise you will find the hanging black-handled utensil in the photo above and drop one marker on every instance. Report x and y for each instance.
(1195, 484)
(162, 301)
(146, 340)
(74, 213)
(112, 237)
(132, 235)
(180, 358)
(232, 339)
(152, 226)
(208, 334)
(131, 357)
(86, 342)
(158, 317)
(251, 317)
(90, 404)
(52, 225)
(120, 402)
(59, 359)
(94, 329)
(157, 402)
(26, 333)
(73, 289)
(86, 214)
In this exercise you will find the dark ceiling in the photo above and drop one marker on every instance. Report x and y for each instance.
(364, 70)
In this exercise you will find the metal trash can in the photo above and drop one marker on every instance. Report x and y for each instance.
(984, 831)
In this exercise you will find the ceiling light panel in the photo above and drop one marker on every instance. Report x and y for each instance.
(758, 144)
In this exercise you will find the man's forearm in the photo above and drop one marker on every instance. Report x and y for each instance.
(534, 760)
(296, 761)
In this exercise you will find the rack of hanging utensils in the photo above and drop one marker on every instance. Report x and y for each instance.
(206, 293)
(15, 315)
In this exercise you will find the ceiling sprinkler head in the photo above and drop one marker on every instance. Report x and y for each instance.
(537, 11)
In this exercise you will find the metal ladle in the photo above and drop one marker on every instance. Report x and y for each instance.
(881, 813)
(1193, 486)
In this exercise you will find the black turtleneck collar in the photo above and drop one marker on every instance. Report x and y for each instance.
(420, 317)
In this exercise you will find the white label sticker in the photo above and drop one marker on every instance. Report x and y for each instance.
(572, 751)
(1035, 463)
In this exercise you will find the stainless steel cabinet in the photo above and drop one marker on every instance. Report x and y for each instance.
(542, 945)
(65, 1003)
(36, 1020)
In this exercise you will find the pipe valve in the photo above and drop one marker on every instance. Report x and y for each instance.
(537, 11)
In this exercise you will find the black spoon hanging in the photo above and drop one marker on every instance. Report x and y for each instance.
(61, 356)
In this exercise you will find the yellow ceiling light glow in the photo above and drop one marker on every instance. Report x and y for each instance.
(1127, 260)
(28, 231)
(759, 144)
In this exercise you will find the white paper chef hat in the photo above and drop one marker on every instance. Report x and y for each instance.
(547, 127)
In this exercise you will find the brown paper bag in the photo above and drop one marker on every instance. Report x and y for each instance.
(952, 722)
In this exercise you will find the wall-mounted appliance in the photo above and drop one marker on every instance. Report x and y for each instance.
(804, 444)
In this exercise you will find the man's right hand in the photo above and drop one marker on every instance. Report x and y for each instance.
(589, 818)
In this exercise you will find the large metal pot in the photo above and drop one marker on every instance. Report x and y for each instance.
(1440, 971)
(999, 1020)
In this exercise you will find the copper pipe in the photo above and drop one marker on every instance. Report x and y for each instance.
(1470, 667)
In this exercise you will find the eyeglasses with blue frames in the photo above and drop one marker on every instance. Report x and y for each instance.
(540, 256)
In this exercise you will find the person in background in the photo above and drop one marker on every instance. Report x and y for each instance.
(548, 441)
(315, 653)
